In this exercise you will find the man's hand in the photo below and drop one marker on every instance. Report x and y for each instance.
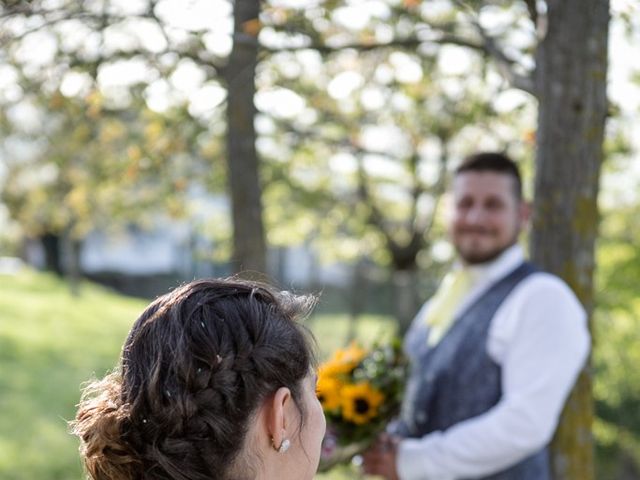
(380, 458)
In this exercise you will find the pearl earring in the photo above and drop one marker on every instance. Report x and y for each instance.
(284, 446)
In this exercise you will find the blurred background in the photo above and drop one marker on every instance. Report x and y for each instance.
(144, 143)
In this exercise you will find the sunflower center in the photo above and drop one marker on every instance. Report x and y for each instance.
(362, 405)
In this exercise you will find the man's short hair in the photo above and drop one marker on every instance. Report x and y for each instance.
(492, 162)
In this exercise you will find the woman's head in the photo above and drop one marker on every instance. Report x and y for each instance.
(214, 377)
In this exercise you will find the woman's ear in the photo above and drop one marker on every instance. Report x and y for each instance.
(278, 416)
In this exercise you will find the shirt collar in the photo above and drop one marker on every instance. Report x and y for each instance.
(497, 268)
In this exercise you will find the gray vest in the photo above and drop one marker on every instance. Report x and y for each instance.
(457, 380)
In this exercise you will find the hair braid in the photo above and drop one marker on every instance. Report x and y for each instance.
(194, 368)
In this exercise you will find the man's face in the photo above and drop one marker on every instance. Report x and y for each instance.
(487, 215)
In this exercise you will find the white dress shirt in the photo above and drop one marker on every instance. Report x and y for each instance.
(539, 337)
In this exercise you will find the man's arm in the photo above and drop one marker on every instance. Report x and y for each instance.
(548, 343)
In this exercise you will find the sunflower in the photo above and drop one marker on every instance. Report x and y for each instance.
(334, 369)
(343, 361)
(360, 402)
(354, 353)
(328, 391)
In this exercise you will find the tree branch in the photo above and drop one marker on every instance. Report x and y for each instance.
(533, 12)
(505, 66)
(440, 35)
(487, 46)
(403, 254)
(376, 218)
(362, 47)
(75, 62)
(504, 63)
(438, 189)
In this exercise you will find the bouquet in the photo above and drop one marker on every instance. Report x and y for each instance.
(360, 391)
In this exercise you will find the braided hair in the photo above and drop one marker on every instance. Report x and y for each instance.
(194, 369)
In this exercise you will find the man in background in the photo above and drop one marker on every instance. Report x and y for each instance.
(494, 353)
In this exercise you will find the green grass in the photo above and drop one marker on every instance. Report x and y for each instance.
(51, 342)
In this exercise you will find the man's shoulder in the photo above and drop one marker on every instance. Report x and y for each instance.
(543, 278)
(541, 301)
(541, 284)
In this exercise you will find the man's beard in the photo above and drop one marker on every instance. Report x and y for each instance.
(476, 258)
(480, 257)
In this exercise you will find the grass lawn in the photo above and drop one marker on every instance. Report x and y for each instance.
(51, 342)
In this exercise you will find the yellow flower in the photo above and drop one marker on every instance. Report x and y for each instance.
(354, 353)
(333, 369)
(328, 391)
(360, 402)
(343, 361)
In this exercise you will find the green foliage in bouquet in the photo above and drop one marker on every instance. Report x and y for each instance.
(360, 391)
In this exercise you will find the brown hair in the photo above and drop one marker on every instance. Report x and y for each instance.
(194, 369)
(493, 162)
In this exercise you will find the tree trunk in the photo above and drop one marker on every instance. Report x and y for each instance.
(51, 248)
(357, 297)
(72, 269)
(571, 73)
(249, 246)
(406, 298)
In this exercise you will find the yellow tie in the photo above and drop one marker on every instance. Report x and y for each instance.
(445, 302)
